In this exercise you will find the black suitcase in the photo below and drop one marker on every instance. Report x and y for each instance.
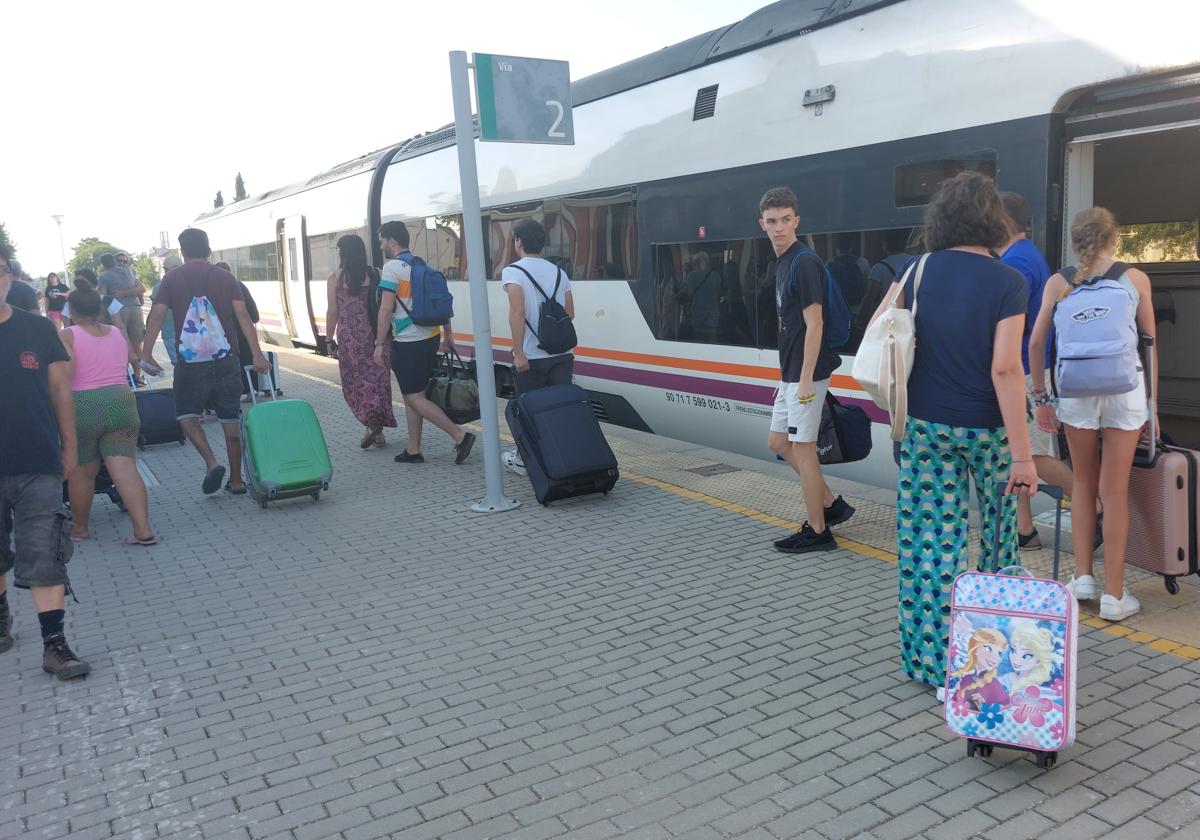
(559, 438)
(104, 486)
(156, 414)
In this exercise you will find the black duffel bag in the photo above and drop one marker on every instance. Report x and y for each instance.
(454, 390)
(845, 433)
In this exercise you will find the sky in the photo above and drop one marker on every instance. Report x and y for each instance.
(127, 117)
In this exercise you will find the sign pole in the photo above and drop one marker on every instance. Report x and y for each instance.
(494, 500)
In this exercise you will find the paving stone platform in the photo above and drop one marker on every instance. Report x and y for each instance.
(382, 663)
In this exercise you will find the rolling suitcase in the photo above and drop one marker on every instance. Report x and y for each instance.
(1163, 504)
(1011, 664)
(156, 416)
(561, 443)
(266, 383)
(283, 450)
(104, 487)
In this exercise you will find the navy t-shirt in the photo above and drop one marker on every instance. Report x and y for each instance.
(792, 296)
(1027, 259)
(963, 297)
(29, 444)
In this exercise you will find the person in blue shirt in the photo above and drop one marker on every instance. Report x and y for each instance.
(1020, 253)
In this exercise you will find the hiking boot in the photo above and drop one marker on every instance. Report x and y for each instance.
(838, 512)
(1029, 542)
(806, 540)
(61, 661)
(6, 636)
(462, 451)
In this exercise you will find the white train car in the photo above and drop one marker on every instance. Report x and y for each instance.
(863, 108)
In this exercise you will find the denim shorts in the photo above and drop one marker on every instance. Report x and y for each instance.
(216, 385)
(35, 530)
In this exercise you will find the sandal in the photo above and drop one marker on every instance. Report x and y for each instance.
(380, 440)
(241, 491)
(367, 439)
(212, 480)
(150, 540)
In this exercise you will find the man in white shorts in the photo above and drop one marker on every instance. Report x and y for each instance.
(805, 366)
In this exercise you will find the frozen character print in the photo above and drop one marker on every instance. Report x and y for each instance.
(978, 677)
(1032, 657)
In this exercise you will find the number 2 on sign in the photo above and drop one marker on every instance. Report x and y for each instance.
(554, 132)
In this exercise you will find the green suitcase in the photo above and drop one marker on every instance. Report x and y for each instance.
(284, 451)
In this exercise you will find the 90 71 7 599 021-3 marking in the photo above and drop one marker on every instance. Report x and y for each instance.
(697, 401)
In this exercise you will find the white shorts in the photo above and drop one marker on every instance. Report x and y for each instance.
(1042, 443)
(801, 421)
(1119, 411)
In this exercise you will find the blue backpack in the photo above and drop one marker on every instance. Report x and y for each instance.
(837, 316)
(432, 303)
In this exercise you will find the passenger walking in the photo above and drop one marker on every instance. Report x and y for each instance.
(1023, 255)
(966, 405)
(207, 306)
(106, 417)
(56, 298)
(413, 348)
(366, 387)
(530, 282)
(168, 326)
(806, 364)
(37, 451)
(1102, 431)
(120, 283)
(21, 294)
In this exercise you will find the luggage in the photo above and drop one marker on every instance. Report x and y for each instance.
(453, 390)
(104, 486)
(845, 433)
(1163, 503)
(1011, 664)
(432, 302)
(283, 450)
(156, 416)
(560, 440)
(261, 383)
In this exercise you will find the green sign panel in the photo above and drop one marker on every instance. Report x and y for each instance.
(523, 100)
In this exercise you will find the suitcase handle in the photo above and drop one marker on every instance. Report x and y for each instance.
(270, 374)
(1146, 343)
(1054, 492)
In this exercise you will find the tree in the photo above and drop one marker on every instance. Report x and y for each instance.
(88, 251)
(239, 188)
(219, 201)
(7, 247)
(145, 270)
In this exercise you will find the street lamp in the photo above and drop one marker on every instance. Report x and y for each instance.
(62, 251)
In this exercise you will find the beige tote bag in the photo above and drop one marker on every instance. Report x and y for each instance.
(885, 356)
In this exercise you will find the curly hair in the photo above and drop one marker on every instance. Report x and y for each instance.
(982, 636)
(966, 210)
(1093, 231)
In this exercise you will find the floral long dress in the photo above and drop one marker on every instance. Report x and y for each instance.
(366, 386)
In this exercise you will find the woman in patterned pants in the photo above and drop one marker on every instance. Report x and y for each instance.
(967, 420)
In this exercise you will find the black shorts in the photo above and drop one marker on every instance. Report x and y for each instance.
(215, 385)
(413, 363)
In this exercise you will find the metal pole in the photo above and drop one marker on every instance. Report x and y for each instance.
(494, 501)
(62, 251)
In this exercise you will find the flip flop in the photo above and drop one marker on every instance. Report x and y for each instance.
(135, 541)
(80, 539)
(212, 480)
(229, 489)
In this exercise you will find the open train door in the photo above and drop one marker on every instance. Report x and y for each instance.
(293, 280)
(1134, 147)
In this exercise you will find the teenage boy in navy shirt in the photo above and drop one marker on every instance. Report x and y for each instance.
(806, 364)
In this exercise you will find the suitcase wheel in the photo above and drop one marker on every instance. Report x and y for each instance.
(1046, 760)
(1171, 584)
(316, 494)
(262, 503)
(978, 747)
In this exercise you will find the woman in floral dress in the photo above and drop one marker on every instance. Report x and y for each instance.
(366, 386)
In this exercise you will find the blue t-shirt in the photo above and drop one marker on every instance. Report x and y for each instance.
(1027, 259)
(963, 297)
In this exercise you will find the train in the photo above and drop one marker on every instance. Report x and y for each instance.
(863, 107)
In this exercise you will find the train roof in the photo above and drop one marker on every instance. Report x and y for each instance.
(776, 22)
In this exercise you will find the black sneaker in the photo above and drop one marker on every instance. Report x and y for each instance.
(1029, 542)
(838, 512)
(806, 540)
(61, 661)
(462, 451)
(6, 636)
(407, 457)
(1099, 541)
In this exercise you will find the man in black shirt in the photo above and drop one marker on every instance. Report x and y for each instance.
(37, 450)
(805, 366)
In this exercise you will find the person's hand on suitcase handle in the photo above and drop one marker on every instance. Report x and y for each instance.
(1022, 478)
(261, 365)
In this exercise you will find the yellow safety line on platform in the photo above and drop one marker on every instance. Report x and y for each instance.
(1156, 643)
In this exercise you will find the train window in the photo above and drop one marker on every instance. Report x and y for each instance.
(322, 257)
(449, 251)
(1159, 242)
(598, 236)
(258, 264)
(917, 182)
(716, 292)
(500, 222)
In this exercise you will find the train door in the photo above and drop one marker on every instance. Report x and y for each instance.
(293, 280)
(1139, 156)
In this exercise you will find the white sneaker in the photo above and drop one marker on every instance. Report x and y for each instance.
(1083, 587)
(941, 694)
(512, 460)
(1112, 609)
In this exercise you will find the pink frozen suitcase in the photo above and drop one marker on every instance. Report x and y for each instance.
(1010, 679)
(1163, 507)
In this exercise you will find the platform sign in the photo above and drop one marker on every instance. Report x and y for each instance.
(523, 100)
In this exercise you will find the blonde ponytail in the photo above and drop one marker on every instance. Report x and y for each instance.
(1092, 232)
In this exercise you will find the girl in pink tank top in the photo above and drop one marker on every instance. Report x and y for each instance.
(100, 360)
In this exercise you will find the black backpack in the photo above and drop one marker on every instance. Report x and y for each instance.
(555, 332)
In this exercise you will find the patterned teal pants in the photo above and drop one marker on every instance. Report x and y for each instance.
(937, 463)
